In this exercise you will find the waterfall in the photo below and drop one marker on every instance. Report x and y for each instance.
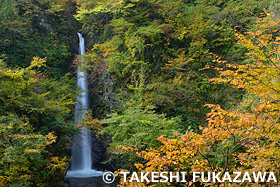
(81, 150)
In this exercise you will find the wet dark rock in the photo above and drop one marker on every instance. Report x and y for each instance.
(100, 155)
(88, 182)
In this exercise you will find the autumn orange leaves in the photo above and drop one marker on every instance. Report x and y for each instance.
(246, 137)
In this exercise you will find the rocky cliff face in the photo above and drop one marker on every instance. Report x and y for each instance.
(100, 155)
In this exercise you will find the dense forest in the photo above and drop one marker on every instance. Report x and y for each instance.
(174, 85)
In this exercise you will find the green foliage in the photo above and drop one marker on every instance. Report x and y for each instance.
(174, 42)
(23, 160)
(162, 53)
(35, 112)
(157, 53)
(138, 128)
(31, 28)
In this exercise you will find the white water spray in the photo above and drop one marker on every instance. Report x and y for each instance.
(81, 151)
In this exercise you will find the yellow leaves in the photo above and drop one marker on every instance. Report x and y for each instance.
(14, 74)
(259, 32)
(58, 164)
(248, 137)
(261, 124)
(37, 62)
(17, 75)
(273, 23)
(51, 138)
(32, 151)
(90, 122)
(35, 142)
(126, 149)
(139, 166)
(24, 153)
(108, 6)
(180, 62)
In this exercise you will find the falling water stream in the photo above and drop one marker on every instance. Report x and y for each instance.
(81, 152)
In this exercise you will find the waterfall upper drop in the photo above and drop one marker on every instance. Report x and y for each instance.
(81, 152)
